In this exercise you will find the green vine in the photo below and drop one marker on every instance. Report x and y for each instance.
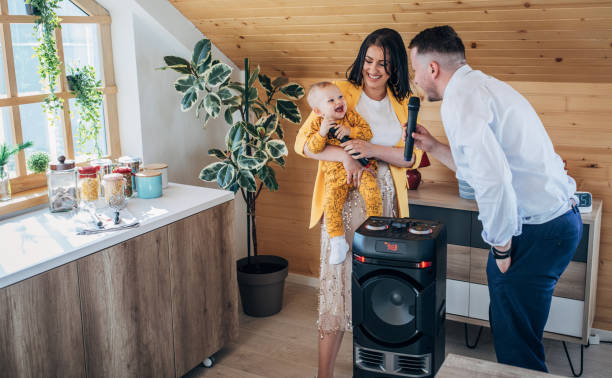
(48, 61)
(85, 87)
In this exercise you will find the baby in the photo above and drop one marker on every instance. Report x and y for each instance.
(329, 105)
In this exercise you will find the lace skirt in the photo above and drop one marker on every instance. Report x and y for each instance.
(335, 280)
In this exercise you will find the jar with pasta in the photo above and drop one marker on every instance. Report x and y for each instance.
(114, 191)
(89, 186)
(127, 174)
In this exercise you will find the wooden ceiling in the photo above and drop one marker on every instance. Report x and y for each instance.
(528, 40)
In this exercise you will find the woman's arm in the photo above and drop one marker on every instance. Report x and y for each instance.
(392, 155)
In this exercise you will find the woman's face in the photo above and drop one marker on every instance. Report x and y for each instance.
(374, 74)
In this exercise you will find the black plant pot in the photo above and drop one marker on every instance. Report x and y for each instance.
(71, 80)
(32, 10)
(261, 284)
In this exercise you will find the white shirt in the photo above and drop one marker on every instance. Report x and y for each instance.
(502, 150)
(381, 117)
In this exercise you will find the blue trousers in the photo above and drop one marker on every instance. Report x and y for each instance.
(521, 297)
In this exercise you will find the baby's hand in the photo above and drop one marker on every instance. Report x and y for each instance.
(342, 131)
(326, 124)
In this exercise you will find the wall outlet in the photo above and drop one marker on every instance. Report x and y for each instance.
(603, 334)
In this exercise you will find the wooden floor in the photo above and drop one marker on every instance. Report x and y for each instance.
(285, 345)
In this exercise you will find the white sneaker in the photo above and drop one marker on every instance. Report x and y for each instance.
(339, 248)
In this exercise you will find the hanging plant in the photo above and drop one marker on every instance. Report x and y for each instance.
(86, 89)
(49, 65)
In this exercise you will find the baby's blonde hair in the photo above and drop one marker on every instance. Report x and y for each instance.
(315, 90)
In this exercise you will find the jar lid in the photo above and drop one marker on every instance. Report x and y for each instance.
(88, 170)
(148, 173)
(122, 170)
(113, 177)
(155, 166)
(62, 164)
(101, 162)
(128, 159)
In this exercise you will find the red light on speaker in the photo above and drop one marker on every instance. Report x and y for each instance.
(425, 264)
(392, 247)
(361, 259)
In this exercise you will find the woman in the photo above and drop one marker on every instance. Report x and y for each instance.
(378, 89)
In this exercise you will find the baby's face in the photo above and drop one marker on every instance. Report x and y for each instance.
(331, 103)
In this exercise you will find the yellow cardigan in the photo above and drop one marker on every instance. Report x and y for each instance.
(352, 93)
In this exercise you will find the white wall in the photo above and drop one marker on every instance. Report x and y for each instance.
(150, 120)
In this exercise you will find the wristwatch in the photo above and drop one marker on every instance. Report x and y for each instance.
(499, 255)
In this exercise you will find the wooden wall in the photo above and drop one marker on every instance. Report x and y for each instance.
(578, 118)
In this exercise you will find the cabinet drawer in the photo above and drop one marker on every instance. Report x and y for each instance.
(570, 285)
(458, 262)
(457, 222)
(457, 297)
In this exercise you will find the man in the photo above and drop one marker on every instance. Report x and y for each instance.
(525, 199)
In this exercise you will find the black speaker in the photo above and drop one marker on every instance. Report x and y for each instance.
(399, 297)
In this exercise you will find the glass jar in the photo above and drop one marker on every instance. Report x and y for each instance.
(134, 163)
(114, 191)
(62, 185)
(89, 186)
(127, 174)
(5, 183)
(105, 168)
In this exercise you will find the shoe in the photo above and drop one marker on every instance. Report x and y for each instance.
(339, 248)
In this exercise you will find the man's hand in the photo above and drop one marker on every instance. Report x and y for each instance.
(342, 131)
(503, 264)
(326, 124)
(423, 139)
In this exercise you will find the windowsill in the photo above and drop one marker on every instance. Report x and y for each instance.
(24, 200)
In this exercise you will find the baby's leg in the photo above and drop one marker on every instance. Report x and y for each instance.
(371, 195)
(336, 191)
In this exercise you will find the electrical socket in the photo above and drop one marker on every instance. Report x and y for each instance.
(603, 334)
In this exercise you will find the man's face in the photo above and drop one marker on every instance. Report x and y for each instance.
(423, 75)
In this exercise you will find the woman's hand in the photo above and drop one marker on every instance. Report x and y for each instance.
(358, 148)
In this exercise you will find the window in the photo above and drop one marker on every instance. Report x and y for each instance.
(83, 39)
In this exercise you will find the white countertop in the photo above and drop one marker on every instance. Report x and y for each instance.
(39, 241)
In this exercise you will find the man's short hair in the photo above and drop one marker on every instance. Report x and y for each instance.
(439, 39)
(314, 89)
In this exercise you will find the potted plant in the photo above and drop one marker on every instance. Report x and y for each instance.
(5, 153)
(83, 84)
(252, 145)
(46, 52)
(38, 162)
(31, 9)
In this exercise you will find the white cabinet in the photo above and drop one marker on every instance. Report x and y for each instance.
(457, 297)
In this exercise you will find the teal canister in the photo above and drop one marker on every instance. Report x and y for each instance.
(149, 184)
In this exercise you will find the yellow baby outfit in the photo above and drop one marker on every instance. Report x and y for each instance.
(336, 188)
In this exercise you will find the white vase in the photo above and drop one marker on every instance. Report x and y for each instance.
(5, 183)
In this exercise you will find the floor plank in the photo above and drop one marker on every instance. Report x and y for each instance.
(285, 346)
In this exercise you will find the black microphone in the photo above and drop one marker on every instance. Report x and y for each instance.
(413, 109)
(363, 161)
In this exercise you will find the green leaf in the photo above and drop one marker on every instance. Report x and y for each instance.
(253, 76)
(189, 99)
(236, 86)
(217, 152)
(293, 90)
(279, 81)
(199, 108)
(247, 180)
(206, 119)
(235, 136)
(228, 116)
(234, 101)
(288, 110)
(254, 162)
(280, 161)
(177, 64)
(184, 83)
(279, 131)
(201, 52)
(265, 82)
(268, 177)
(205, 65)
(217, 74)
(258, 112)
(253, 94)
(209, 173)
(268, 123)
(225, 93)
(276, 148)
(212, 104)
(252, 129)
(226, 176)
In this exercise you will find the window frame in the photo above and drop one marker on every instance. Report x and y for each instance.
(96, 15)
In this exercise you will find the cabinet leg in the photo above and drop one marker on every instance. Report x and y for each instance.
(467, 342)
(570, 360)
(209, 362)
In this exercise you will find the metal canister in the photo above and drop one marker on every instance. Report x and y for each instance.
(134, 163)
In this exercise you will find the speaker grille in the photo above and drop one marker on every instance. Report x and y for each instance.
(393, 364)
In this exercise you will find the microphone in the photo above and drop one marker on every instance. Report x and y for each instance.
(363, 161)
(413, 109)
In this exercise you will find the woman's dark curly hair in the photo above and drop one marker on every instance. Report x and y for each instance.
(397, 68)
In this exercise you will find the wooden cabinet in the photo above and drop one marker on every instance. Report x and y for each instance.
(40, 326)
(573, 305)
(153, 306)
